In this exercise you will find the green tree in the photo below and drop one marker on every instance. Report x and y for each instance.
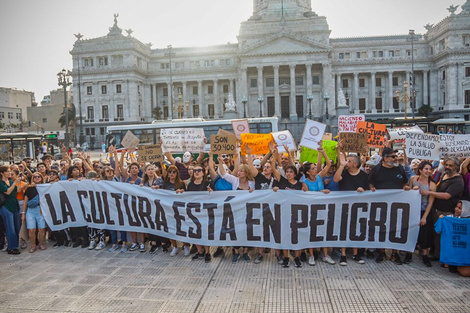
(424, 110)
(72, 116)
(157, 113)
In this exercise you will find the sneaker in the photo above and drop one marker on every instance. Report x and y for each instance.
(165, 249)
(280, 260)
(197, 256)
(246, 257)
(124, 248)
(408, 258)
(186, 251)
(13, 251)
(86, 244)
(258, 259)
(426, 261)
(219, 252)
(396, 259)
(303, 256)
(23, 244)
(297, 262)
(370, 254)
(134, 247)
(92, 245)
(285, 262)
(343, 261)
(358, 259)
(235, 257)
(153, 249)
(329, 260)
(100, 246)
(113, 248)
(207, 258)
(142, 247)
(382, 257)
(174, 251)
(311, 260)
(5, 248)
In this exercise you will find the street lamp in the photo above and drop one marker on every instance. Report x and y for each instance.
(80, 138)
(403, 97)
(244, 101)
(63, 78)
(260, 101)
(326, 97)
(180, 107)
(170, 92)
(309, 99)
(412, 81)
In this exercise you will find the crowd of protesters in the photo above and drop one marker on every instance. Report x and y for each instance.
(444, 187)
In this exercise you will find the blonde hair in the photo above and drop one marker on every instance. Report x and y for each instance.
(247, 171)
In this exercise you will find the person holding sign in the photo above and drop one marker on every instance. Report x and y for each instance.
(187, 159)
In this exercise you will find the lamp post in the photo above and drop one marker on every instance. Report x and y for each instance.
(326, 97)
(170, 91)
(180, 107)
(63, 78)
(260, 101)
(80, 137)
(309, 99)
(412, 81)
(244, 101)
(403, 97)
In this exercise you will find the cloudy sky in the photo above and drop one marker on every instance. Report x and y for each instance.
(36, 36)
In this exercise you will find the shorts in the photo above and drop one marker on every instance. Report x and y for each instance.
(34, 218)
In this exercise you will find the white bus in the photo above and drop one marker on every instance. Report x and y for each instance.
(150, 133)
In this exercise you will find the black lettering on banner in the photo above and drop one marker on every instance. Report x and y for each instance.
(228, 224)
(83, 194)
(271, 223)
(99, 204)
(146, 215)
(104, 196)
(66, 207)
(343, 230)
(179, 218)
(355, 221)
(295, 224)
(117, 199)
(160, 217)
(250, 221)
(197, 208)
(132, 216)
(380, 223)
(330, 226)
(52, 210)
(405, 218)
(315, 222)
(210, 207)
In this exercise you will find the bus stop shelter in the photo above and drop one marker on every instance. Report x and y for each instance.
(16, 146)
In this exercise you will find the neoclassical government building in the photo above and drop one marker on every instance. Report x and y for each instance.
(284, 64)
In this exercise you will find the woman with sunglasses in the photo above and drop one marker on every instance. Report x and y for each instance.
(32, 213)
(10, 210)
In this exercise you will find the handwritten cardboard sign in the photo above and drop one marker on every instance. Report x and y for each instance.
(240, 127)
(129, 140)
(150, 153)
(222, 144)
(454, 146)
(353, 142)
(182, 139)
(375, 132)
(310, 155)
(224, 132)
(284, 138)
(313, 133)
(259, 143)
(399, 133)
(348, 123)
(422, 146)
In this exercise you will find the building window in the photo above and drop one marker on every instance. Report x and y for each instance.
(378, 104)
(87, 131)
(87, 62)
(2, 114)
(299, 81)
(164, 66)
(341, 55)
(104, 112)
(18, 116)
(180, 90)
(89, 90)
(10, 115)
(210, 89)
(397, 53)
(374, 53)
(270, 82)
(444, 98)
(467, 98)
(119, 111)
(102, 61)
(381, 54)
(345, 83)
(362, 82)
(228, 62)
(104, 89)
(194, 90)
(466, 40)
(378, 81)
(391, 54)
(102, 131)
(467, 72)
(362, 105)
(195, 110)
(165, 112)
(299, 104)
(284, 80)
(347, 55)
(118, 88)
(254, 83)
(90, 113)
(315, 80)
(444, 75)
(395, 81)
(165, 92)
(206, 63)
(44, 120)
(210, 110)
(225, 88)
(358, 55)
(271, 106)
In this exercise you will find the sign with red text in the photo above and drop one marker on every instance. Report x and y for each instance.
(375, 133)
(348, 123)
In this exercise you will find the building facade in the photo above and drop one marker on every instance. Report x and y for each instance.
(13, 108)
(285, 64)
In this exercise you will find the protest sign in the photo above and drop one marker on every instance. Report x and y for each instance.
(284, 138)
(287, 219)
(399, 133)
(240, 127)
(454, 146)
(223, 144)
(348, 123)
(422, 146)
(259, 143)
(353, 142)
(129, 140)
(375, 133)
(224, 132)
(311, 155)
(313, 133)
(150, 153)
(182, 139)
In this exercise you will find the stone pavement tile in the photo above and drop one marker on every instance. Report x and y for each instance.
(194, 282)
(244, 307)
(91, 279)
(143, 306)
(9, 286)
(433, 284)
(191, 294)
(58, 304)
(91, 305)
(161, 281)
(213, 307)
(312, 296)
(379, 296)
(25, 288)
(128, 292)
(178, 306)
(310, 283)
(340, 283)
(117, 280)
(283, 307)
(453, 297)
(412, 297)
(163, 294)
(216, 294)
(370, 284)
(76, 290)
(106, 292)
(343, 298)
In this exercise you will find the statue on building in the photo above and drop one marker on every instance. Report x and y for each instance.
(230, 105)
(341, 98)
(428, 26)
(129, 31)
(78, 36)
(115, 19)
(452, 9)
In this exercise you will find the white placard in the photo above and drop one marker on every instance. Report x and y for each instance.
(422, 146)
(130, 140)
(182, 139)
(399, 133)
(313, 133)
(240, 127)
(348, 123)
(454, 146)
(284, 138)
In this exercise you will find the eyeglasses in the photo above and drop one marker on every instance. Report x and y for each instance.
(109, 171)
(36, 177)
(171, 172)
(55, 174)
(197, 170)
(62, 165)
(392, 156)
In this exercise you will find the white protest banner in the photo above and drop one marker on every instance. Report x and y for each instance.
(348, 123)
(129, 140)
(240, 127)
(287, 219)
(150, 153)
(284, 138)
(422, 146)
(313, 133)
(182, 139)
(399, 133)
(454, 146)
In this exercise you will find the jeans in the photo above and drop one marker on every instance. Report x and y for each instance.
(114, 236)
(12, 227)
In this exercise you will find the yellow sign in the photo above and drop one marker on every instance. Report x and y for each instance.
(259, 143)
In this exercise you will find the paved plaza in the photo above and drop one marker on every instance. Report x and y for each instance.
(79, 280)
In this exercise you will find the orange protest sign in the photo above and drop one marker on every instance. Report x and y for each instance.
(259, 143)
(375, 133)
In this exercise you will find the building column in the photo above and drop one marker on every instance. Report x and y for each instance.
(372, 107)
(355, 104)
(292, 104)
(231, 88)
(425, 88)
(170, 103)
(434, 89)
(390, 93)
(452, 86)
(218, 111)
(277, 97)
(460, 75)
(308, 68)
(244, 91)
(408, 105)
(185, 98)
(202, 106)
(260, 91)
(327, 88)
(338, 85)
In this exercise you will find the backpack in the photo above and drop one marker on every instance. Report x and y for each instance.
(34, 202)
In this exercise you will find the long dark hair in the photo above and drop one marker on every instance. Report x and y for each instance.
(421, 167)
(178, 182)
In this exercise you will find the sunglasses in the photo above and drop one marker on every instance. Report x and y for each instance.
(171, 172)
(198, 170)
(392, 156)
(109, 171)
(62, 165)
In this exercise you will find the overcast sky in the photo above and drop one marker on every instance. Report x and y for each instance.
(37, 35)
